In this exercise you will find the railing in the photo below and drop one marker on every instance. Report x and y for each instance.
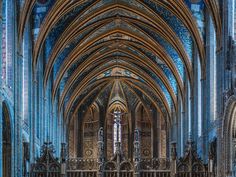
(191, 165)
(188, 166)
(45, 174)
(112, 173)
(81, 173)
(79, 167)
(155, 173)
(126, 174)
(194, 174)
(155, 164)
(46, 165)
(81, 164)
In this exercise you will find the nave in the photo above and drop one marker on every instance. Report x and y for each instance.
(118, 88)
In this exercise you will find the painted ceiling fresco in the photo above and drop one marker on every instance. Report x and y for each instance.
(145, 44)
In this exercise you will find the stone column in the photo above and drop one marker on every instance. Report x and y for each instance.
(1, 127)
(173, 162)
(26, 155)
(219, 114)
(185, 117)
(1, 160)
(210, 164)
(168, 139)
(63, 159)
(192, 121)
(182, 131)
(17, 136)
(131, 115)
(154, 135)
(204, 120)
(80, 134)
(158, 124)
(194, 94)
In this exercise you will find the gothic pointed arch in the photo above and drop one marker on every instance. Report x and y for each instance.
(7, 141)
(229, 134)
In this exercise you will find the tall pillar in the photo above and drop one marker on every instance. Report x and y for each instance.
(32, 120)
(194, 95)
(185, 115)
(131, 134)
(63, 156)
(219, 113)
(179, 126)
(80, 133)
(1, 140)
(204, 120)
(221, 56)
(40, 106)
(154, 135)
(35, 118)
(173, 164)
(100, 152)
(1, 89)
(168, 140)
(18, 112)
(192, 118)
(182, 131)
(101, 116)
(158, 124)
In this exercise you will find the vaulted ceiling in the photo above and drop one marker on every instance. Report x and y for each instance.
(86, 46)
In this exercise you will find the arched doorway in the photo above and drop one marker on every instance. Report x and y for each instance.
(6, 138)
(229, 137)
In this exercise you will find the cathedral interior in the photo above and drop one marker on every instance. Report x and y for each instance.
(118, 88)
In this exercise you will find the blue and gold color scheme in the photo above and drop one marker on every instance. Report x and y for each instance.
(66, 66)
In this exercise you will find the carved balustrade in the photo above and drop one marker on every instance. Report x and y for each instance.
(46, 165)
(188, 166)
(191, 165)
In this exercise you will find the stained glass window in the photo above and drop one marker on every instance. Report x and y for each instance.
(116, 129)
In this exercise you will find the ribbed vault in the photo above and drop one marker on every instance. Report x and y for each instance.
(87, 46)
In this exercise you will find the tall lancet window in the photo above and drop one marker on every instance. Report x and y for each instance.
(116, 129)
